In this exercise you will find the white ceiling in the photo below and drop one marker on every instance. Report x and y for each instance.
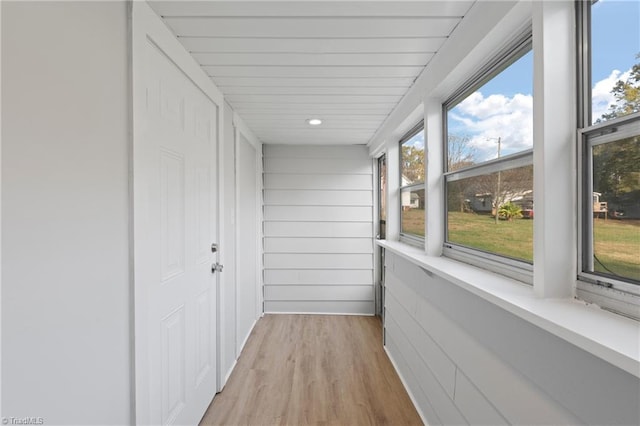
(280, 63)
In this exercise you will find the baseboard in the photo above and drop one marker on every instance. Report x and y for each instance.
(404, 383)
(235, 361)
(226, 377)
(356, 314)
(244, 342)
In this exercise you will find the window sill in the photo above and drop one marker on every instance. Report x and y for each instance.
(611, 337)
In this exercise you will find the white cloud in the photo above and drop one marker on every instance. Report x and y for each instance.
(601, 92)
(417, 141)
(484, 119)
(496, 116)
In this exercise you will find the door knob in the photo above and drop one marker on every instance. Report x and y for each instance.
(216, 267)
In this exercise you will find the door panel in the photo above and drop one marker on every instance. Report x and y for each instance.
(172, 226)
(175, 207)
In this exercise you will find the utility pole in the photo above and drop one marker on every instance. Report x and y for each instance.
(496, 200)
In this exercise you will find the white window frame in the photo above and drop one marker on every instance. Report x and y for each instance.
(620, 296)
(514, 268)
(412, 239)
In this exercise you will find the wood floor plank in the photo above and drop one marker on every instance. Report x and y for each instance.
(313, 370)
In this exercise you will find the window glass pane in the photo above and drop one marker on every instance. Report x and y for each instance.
(471, 218)
(495, 120)
(412, 160)
(412, 211)
(616, 208)
(382, 196)
(615, 67)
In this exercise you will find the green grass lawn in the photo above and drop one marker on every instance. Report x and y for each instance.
(617, 247)
(617, 242)
(413, 221)
(480, 231)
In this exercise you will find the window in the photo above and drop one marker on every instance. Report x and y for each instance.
(609, 149)
(382, 196)
(489, 163)
(412, 195)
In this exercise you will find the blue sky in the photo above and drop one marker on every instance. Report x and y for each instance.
(416, 141)
(518, 78)
(503, 106)
(616, 41)
(616, 36)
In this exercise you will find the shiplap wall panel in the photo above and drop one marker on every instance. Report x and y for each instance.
(420, 400)
(318, 261)
(317, 198)
(402, 293)
(302, 112)
(312, 72)
(319, 292)
(318, 165)
(318, 229)
(521, 402)
(415, 301)
(310, 182)
(318, 213)
(311, 99)
(293, 90)
(297, 124)
(304, 59)
(322, 45)
(270, 136)
(474, 405)
(318, 245)
(305, 27)
(327, 277)
(396, 8)
(432, 355)
(351, 307)
(442, 403)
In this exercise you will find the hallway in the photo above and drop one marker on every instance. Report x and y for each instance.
(313, 369)
(203, 204)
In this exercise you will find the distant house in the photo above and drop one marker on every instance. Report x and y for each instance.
(599, 207)
(483, 203)
(410, 199)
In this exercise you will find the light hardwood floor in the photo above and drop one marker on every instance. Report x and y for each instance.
(313, 370)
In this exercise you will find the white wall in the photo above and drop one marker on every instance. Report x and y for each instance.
(66, 319)
(318, 226)
(247, 266)
(0, 221)
(466, 361)
(228, 313)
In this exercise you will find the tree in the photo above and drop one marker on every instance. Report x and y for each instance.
(460, 153)
(413, 163)
(510, 211)
(616, 168)
(503, 187)
(627, 95)
(499, 187)
(616, 173)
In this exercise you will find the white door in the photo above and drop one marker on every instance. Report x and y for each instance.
(175, 226)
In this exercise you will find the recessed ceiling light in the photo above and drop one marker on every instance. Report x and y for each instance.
(314, 122)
